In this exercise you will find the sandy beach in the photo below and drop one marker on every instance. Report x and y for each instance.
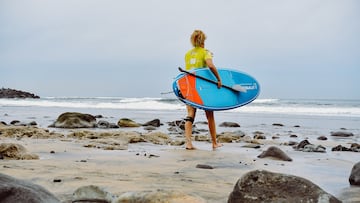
(65, 165)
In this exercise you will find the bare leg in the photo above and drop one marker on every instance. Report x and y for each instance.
(188, 127)
(212, 129)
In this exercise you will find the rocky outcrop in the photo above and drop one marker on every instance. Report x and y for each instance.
(15, 190)
(12, 93)
(264, 186)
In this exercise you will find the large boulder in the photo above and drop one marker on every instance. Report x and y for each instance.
(354, 178)
(74, 120)
(15, 190)
(264, 186)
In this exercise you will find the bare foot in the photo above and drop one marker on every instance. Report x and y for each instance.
(190, 148)
(215, 146)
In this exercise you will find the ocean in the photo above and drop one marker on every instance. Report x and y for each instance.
(314, 116)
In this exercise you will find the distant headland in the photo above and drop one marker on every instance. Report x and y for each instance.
(12, 93)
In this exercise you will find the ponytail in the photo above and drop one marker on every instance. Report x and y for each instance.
(198, 38)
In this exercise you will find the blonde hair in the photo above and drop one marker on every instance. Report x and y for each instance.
(198, 38)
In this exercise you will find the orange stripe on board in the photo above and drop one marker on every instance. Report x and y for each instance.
(187, 86)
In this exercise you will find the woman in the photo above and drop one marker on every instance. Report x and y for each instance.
(199, 57)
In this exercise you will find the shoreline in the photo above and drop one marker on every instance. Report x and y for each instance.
(146, 166)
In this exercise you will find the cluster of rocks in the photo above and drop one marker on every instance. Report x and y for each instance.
(81, 120)
(306, 146)
(12, 93)
(254, 186)
(354, 147)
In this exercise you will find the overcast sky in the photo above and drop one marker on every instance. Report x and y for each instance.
(132, 48)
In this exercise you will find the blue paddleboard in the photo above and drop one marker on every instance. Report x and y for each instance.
(198, 89)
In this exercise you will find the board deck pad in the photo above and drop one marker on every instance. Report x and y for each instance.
(202, 94)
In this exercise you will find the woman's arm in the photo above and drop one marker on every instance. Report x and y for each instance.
(213, 69)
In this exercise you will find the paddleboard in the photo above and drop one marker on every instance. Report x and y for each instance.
(198, 88)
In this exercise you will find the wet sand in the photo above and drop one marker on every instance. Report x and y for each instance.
(146, 166)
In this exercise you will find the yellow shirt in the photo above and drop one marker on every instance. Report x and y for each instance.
(195, 58)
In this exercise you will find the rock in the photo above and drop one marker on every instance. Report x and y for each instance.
(341, 134)
(202, 138)
(15, 151)
(229, 124)
(355, 147)
(260, 137)
(340, 148)
(276, 153)
(227, 137)
(158, 196)
(32, 123)
(201, 123)
(74, 120)
(314, 148)
(154, 123)
(204, 166)
(254, 146)
(103, 124)
(349, 195)
(264, 186)
(128, 123)
(157, 138)
(19, 132)
(177, 126)
(306, 146)
(14, 122)
(322, 138)
(301, 145)
(16, 190)
(354, 178)
(92, 193)
(150, 128)
(12, 93)
(292, 143)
